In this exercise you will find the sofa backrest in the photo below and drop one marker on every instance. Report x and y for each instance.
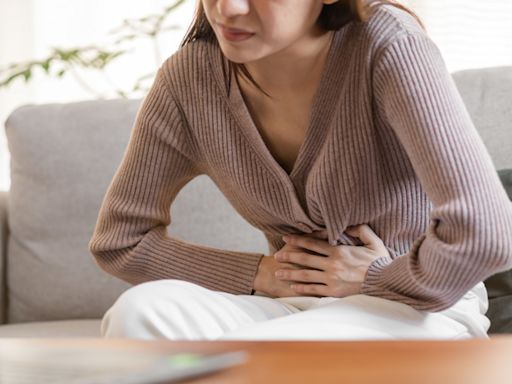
(487, 94)
(63, 157)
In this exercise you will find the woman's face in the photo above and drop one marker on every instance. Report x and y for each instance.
(249, 30)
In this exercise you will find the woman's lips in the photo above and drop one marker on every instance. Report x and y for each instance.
(233, 34)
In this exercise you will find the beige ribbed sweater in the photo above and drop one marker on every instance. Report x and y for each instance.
(390, 143)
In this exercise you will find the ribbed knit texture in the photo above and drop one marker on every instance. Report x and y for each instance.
(390, 144)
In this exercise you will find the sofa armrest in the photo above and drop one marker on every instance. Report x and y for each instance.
(3, 254)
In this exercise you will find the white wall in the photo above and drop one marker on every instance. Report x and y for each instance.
(28, 28)
(470, 34)
(12, 50)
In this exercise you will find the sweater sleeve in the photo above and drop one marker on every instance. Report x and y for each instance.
(130, 240)
(469, 236)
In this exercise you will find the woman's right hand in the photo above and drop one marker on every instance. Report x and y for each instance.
(266, 281)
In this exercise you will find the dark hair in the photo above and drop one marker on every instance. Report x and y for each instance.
(332, 18)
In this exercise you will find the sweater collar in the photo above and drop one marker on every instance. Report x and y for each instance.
(324, 103)
(323, 109)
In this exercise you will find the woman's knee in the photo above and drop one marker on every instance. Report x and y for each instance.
(141, 297)
(141, 310)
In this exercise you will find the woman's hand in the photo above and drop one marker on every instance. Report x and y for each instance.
(266, 281)
(335, 271)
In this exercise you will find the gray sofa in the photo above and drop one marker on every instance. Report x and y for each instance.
(63, 157)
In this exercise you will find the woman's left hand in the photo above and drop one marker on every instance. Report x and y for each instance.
(339, 270)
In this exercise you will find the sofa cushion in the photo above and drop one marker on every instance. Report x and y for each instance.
(62, 158)
(53, 329)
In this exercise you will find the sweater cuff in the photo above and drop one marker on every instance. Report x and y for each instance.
(373, 275)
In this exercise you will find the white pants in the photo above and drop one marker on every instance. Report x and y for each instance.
(180, 310)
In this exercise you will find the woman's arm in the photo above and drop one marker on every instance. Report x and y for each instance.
(130, 240)
(470, 233)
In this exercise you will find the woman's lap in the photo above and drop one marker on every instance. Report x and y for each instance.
(177, 309)
(180, 310)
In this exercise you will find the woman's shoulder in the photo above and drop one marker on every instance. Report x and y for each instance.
(388, 23)
(188, 64)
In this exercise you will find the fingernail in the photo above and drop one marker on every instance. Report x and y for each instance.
(286, 238)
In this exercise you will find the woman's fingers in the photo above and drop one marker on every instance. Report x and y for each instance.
(311, 289)
(304, 275)
(317, 234)
(302, 258)
(365, 234)
(316, 245)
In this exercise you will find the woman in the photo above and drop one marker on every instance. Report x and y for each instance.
(333, 122)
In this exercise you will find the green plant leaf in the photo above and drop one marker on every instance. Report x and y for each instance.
(27, 74)
(46, 65)
(95, 57)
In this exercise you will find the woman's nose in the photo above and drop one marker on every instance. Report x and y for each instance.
(231, 8)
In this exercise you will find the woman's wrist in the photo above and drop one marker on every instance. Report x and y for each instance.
(258, 283)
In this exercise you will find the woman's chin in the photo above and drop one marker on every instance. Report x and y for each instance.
(238, 56)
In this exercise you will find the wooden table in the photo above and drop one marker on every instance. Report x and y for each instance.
(383, 362)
